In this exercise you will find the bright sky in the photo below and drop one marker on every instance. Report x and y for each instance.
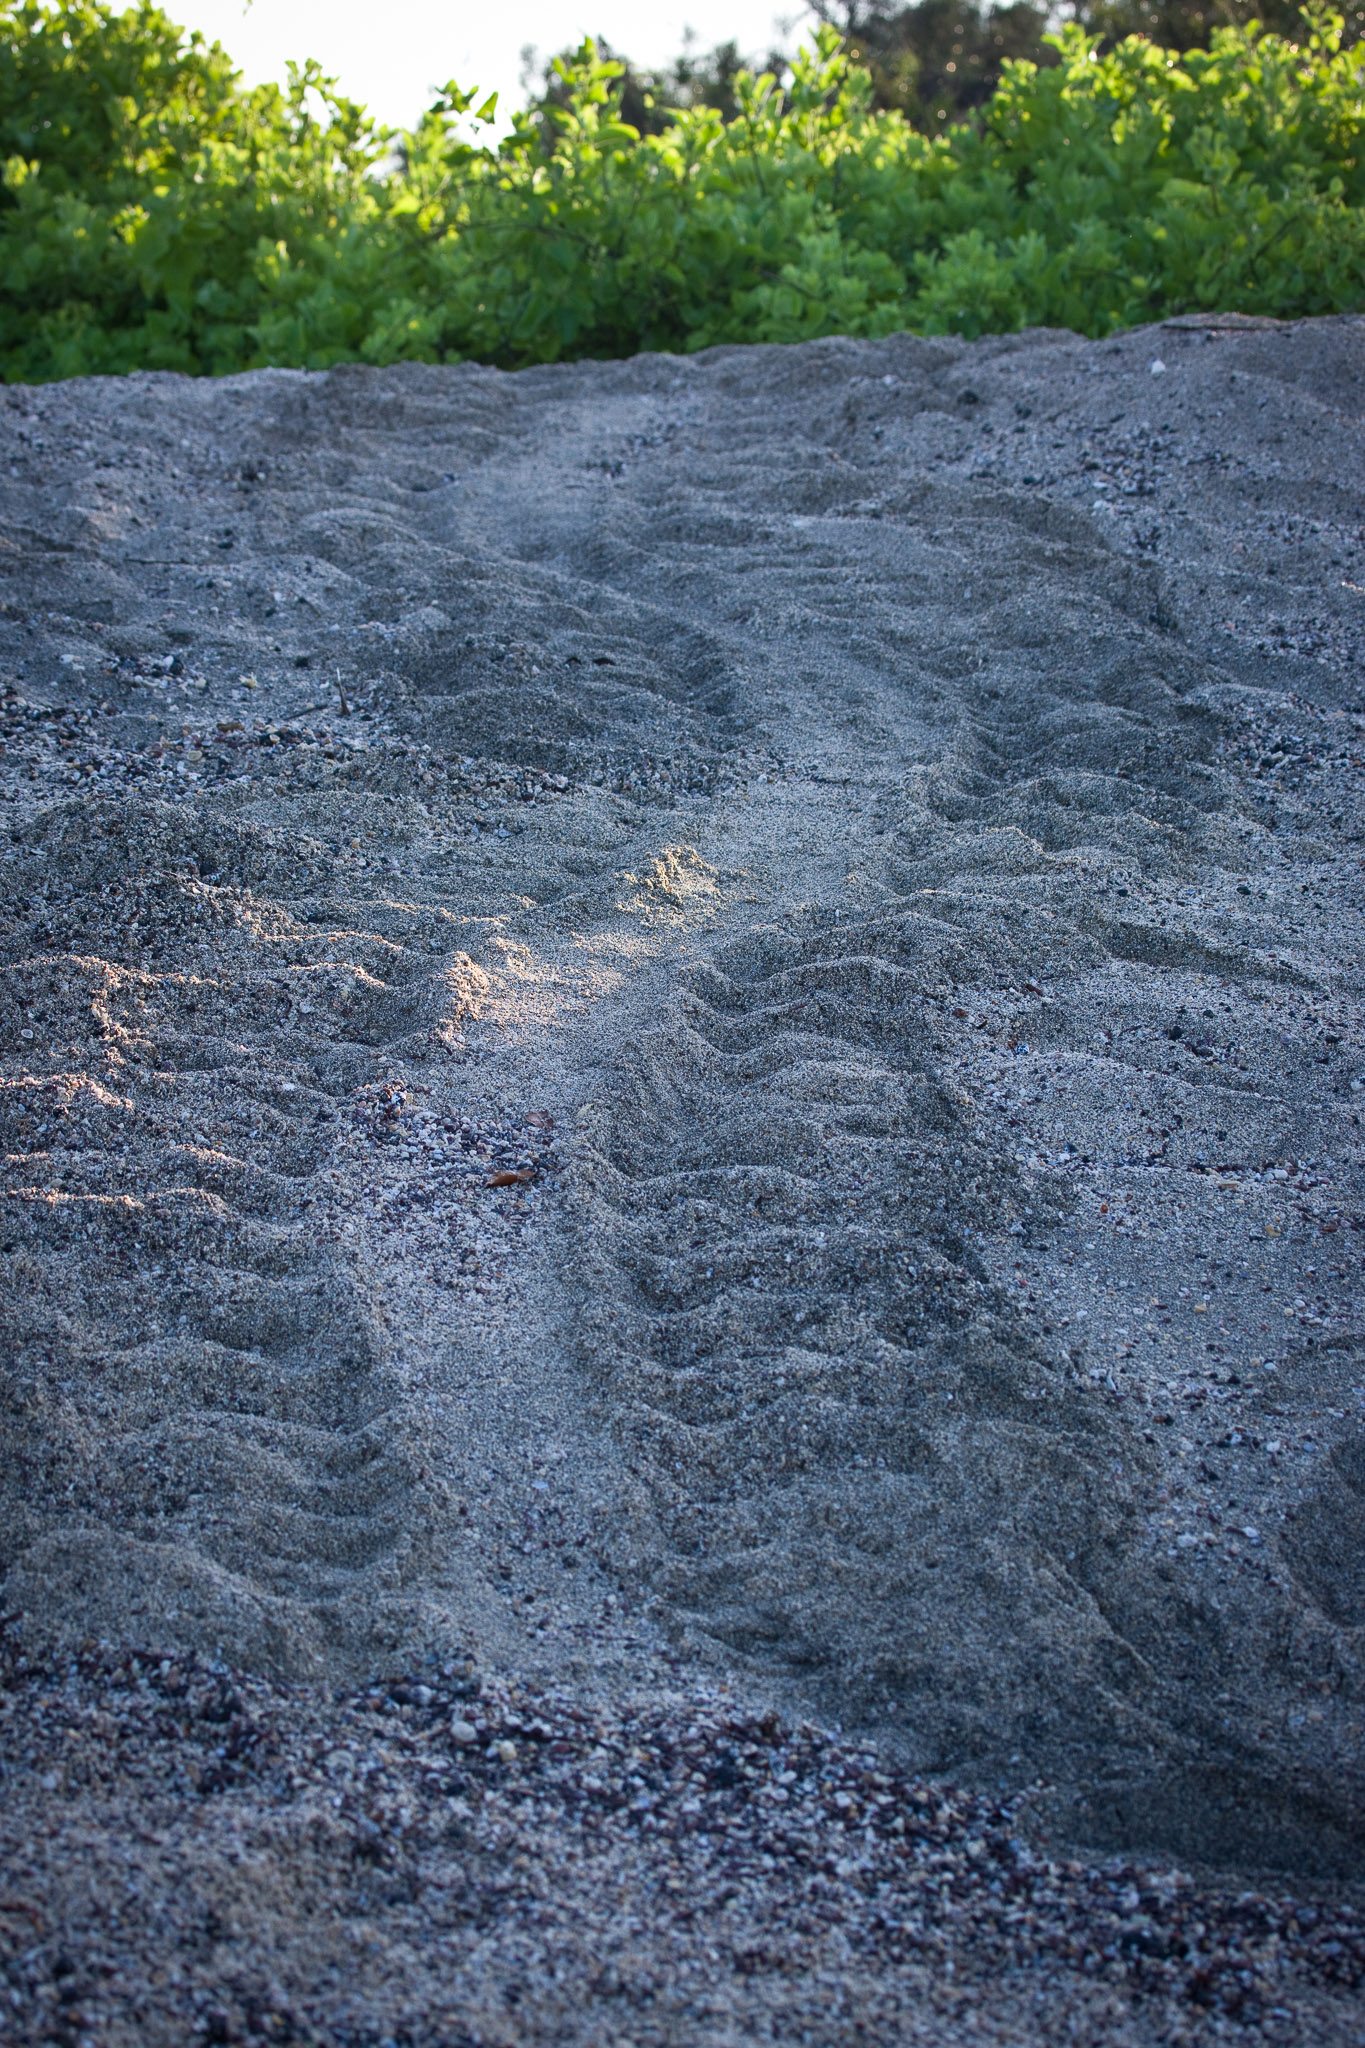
(390, 56)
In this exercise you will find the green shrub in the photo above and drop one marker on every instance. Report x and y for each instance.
(157, 214)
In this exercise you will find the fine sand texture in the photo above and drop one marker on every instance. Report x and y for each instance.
(681, 1075)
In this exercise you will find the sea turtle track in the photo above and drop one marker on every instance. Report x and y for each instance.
(859, 1465)
(855, 1445)
(203, 1426)
(909, 890)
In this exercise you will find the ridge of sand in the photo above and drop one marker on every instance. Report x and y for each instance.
(702, 1017)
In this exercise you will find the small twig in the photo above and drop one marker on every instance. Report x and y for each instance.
(23, 1906)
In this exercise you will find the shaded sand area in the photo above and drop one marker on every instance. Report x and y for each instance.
(681, 1080)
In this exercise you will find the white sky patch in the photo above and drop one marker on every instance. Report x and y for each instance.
(393, 58)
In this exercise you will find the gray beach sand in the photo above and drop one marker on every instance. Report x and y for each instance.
(681, 1075)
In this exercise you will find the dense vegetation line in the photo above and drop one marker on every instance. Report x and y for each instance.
(937, 61)
(157, 213)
